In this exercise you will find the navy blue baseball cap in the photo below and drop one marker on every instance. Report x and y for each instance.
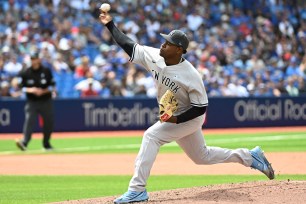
(177, 38)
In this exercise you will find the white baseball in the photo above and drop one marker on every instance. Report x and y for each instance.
(105, 7)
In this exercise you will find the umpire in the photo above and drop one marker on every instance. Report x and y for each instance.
(39, 86)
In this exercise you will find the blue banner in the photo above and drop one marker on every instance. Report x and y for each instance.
(139, 114)
(256, 112)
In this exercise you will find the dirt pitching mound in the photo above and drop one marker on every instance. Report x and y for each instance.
(263, 192)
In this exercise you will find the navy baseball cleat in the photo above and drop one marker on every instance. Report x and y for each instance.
(261, 163)
(132, 196)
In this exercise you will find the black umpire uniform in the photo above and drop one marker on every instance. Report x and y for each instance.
(38, 83)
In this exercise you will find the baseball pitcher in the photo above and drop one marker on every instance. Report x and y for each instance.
(183, 102)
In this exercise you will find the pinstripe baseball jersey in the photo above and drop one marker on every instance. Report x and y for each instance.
(182, 79)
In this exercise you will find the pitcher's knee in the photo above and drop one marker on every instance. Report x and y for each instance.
(147, 134)
(156, 138)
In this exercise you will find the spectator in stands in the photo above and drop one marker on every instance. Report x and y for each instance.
(237, 89)
(116, 90)
(144, 85)
(2, 72)
(255, 63)
(263, 30)
(281, 87)
(12, 67)
(194, 20)
(89, 87)
(301, 85)
(5, 89)
(15, 90)
(285, 26)
(59, 64)
(82, 68)
(291, 89)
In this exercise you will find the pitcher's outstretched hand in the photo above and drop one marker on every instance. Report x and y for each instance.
(105, 17)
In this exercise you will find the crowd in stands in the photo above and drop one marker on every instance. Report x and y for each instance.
(242, 48)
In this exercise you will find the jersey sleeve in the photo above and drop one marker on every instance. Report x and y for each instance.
(197, 94)
(143, 55)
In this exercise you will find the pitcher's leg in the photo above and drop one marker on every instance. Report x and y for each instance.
(195, 147)
(144, 161)
(154, 137)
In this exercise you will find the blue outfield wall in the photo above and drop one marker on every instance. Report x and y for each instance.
(139, 114)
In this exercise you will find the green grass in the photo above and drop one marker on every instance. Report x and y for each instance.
(270, 142)
(43, 189)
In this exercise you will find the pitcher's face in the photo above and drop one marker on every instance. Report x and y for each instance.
(168, 50)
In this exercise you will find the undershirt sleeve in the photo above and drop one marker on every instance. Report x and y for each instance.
(126, 43)
(190, 114)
